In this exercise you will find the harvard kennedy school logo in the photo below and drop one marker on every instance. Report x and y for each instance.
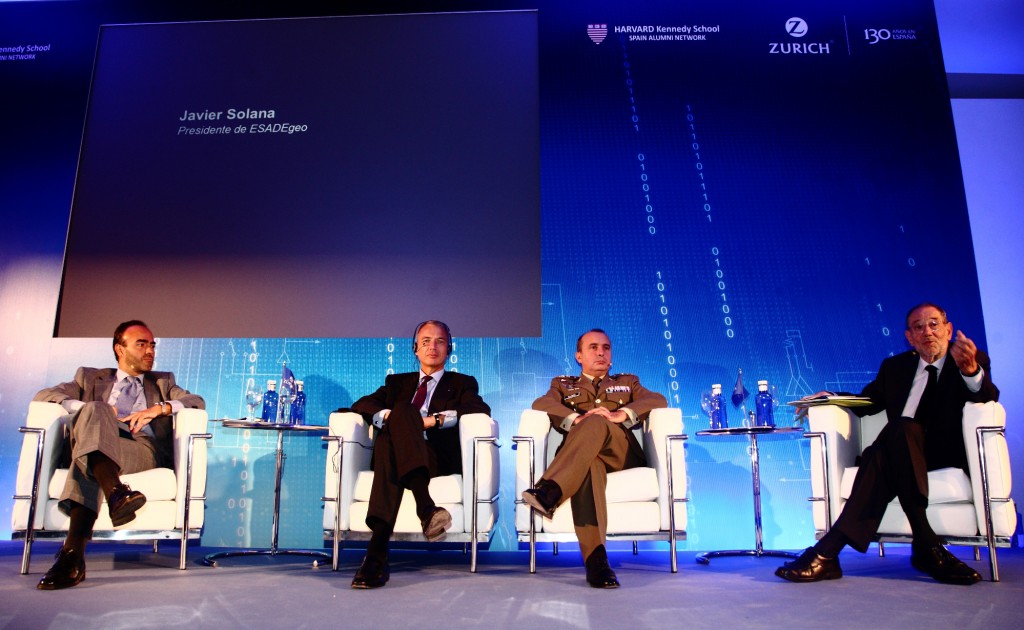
(597, 32)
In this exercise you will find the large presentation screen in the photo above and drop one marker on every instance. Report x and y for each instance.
(328, 177)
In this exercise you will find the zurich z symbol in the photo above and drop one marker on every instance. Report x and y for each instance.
(796, 27)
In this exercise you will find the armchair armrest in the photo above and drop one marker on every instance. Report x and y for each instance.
(991, 417)
(661, 424)
(472, 426)
(189, 422)
(839, 430)
(347, 431)
(45, 421)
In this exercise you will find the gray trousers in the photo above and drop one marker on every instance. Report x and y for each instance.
(94, 428)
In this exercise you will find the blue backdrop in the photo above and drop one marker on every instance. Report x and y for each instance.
(762, 186)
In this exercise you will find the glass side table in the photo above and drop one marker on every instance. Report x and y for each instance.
(752, 434)
(259, 425)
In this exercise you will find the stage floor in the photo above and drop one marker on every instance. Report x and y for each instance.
(127, 586)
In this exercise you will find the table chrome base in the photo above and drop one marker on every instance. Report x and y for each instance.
(705, 558)
(210, 560)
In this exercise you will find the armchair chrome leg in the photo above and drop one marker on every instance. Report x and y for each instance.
(156, 546)
(881, 549)
(533, 544)
(977, 554)
(533, 513)
(188, 497)
(636, 551)
(26, 553)
(336, 540)
(990, 536)
(474, 508)
(673, 558)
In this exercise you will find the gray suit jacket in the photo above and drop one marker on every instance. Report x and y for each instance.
(95, 384)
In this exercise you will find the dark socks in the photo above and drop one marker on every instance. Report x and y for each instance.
(418, 482)
(80, 529)
(378, 545)
(831, 543)
(924, 536)
(105, 471)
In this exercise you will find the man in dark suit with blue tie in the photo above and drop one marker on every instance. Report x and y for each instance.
(417, 416)
(121, 424)
(923, 395)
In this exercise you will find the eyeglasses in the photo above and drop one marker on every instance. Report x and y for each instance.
(932, 325)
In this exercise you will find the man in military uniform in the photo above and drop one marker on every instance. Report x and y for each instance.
(597, 413)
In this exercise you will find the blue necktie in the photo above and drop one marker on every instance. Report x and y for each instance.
(126, 399)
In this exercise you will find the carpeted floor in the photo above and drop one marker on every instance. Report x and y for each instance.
(130, 587)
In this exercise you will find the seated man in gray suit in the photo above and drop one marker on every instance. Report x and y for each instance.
(121, 424)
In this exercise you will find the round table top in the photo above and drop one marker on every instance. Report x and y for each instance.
(750, 431)
(263, 425)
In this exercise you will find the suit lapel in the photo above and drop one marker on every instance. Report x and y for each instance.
(103, 385)
(149, 386)
(906, 379)
(403, 387)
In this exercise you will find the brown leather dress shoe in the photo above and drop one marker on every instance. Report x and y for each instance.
(373, 573)
(810, 567)
(543, 497)
(67, 571)
(123, 503)
(599, 572)
(943, 566)
(436, 526)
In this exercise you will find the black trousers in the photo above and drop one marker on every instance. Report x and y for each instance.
(399, 449)
(894, 466)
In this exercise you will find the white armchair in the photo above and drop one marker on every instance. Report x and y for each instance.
(975, 511)
(646, 503)
(173, 497)
(470, 497)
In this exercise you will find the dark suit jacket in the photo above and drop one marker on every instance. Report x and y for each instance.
(944, 443)
(454, 392)
(95, 384)
(575, 394)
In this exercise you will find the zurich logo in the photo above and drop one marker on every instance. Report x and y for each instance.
(796, 27)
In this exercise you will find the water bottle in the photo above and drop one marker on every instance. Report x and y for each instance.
(270, 402)
(299, 405)
(284, 408)
(764, 404)
(716, 408)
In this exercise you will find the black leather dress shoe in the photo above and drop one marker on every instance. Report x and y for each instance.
(436, 526)
(123, 503)
(543, 497)
(810, 567)
(599, 573)
(67, 571)
(943, 566)
(373, 573)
